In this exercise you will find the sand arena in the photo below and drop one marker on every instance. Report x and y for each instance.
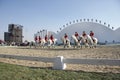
(101, 52)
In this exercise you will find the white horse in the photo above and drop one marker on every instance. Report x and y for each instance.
(66, 42)
(51, 43)
(40, 43)
(32, 44)
(88, 41)
(95, 42)
(76, 41)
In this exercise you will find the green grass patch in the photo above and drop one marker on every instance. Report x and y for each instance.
(15, 72)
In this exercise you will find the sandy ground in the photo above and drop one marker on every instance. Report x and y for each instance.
(101, 52)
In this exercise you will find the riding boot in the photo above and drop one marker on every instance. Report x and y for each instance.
(66, 41)
(53, 42)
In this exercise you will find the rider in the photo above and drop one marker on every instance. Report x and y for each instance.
(92, 35)
(84, 35)
(66, 37)
(46, 38)
(35, 38)
(77, 35)
(52, 38)
(39, 38)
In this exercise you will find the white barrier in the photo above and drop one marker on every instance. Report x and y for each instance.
(59, 61)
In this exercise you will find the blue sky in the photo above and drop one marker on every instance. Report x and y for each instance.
(36, 15)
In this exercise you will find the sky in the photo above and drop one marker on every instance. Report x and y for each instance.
(36, 15)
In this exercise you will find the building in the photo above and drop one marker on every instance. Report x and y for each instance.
(103, 32)
(14, 34)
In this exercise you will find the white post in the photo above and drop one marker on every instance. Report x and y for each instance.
(59, 64)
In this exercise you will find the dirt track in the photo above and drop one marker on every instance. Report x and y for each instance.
(101, 52)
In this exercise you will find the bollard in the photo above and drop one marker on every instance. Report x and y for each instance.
(58, 63)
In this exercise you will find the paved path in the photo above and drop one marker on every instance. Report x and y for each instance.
(110, 62)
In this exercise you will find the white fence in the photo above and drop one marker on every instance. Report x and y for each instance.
(60, 62)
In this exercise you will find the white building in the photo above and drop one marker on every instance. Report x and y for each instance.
(102, 32)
